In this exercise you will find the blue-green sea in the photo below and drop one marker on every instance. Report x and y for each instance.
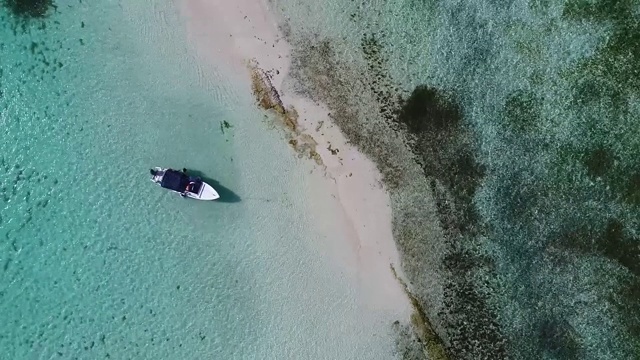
(97, 262)
(507, 135)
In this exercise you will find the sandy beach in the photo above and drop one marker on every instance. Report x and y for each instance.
(347, 195)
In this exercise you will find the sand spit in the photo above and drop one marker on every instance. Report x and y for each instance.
(244, 38)
(268, 98)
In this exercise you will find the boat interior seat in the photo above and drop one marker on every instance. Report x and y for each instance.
(196, 186)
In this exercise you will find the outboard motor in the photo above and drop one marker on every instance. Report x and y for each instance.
(153, 172)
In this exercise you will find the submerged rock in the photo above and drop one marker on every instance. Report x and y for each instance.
(268, 98)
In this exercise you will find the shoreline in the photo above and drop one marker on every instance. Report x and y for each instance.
(446, 182)
(348, 183)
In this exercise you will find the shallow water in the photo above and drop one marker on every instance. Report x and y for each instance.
(96, 261)
(93, 257)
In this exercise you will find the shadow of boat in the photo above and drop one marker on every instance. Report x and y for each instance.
(226, 195)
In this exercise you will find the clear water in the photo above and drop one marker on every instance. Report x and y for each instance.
(97, 264)
(96, 261)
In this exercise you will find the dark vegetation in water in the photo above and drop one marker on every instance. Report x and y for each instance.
(557, 339)
(612, 77)
(621, 174)
(603, 87)
(29, 9)
(444, 148)
(614, 242)
(414, 342)
(616, 64)
(408, 344)
(224, 125)
(387, 94)
(25, 16)
(598, 161)
(632, 190)
(317, 62)
(439, 138)
(522, 111)
(607, 79)
(43, 62)
(556, 206)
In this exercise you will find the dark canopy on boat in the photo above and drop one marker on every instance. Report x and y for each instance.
(174, 180)
(178, 181)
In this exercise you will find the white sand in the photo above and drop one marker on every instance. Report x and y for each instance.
(348, 196)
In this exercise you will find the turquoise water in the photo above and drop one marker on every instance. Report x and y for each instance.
(516, 211)
(98, 262)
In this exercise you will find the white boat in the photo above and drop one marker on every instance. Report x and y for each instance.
(183, 184)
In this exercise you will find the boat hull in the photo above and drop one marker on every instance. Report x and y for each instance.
(206, 191)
